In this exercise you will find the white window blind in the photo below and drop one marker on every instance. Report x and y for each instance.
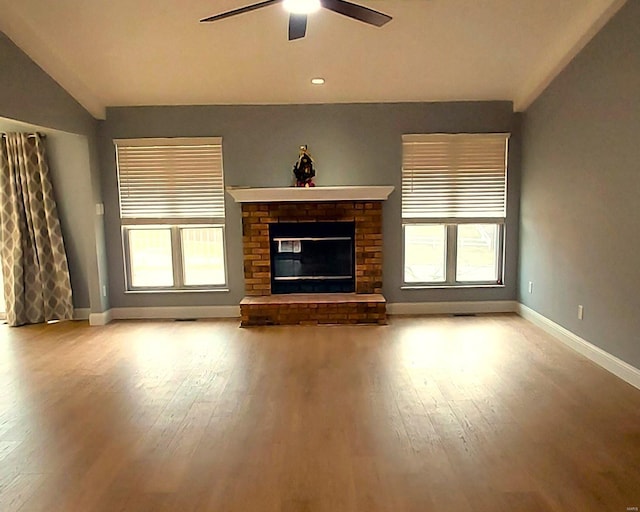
(170, 178)
(454, 176)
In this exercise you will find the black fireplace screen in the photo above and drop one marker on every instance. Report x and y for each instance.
(313, 257)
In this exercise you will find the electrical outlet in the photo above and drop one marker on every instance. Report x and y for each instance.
(530, 286)
(580, 312)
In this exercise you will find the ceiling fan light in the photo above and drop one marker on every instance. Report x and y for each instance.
(301, 6)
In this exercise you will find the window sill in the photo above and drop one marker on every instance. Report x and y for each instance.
(182, 290)
(448, 286)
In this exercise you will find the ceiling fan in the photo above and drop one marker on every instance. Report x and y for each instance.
(299, 9)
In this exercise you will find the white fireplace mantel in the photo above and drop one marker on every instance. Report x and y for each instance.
(300, 194)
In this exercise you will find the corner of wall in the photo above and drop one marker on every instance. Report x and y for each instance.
(609, 362)
(96, 319)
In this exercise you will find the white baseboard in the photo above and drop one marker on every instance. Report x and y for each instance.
(100, 318)
(81, 313)
(602, 358)
(149, 313)
(446, 308)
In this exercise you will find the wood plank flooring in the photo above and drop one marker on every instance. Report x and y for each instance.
(480, 414)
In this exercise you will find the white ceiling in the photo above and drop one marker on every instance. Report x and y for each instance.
(154, 52)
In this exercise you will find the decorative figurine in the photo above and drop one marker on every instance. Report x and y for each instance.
(303, 169)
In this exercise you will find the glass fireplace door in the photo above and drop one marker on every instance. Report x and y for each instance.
(323, 261)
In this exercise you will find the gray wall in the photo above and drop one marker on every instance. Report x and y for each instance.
(29, 95)
(352, 144)
(580, 192)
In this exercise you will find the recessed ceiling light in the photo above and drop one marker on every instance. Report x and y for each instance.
(301, 6)
(317, 81)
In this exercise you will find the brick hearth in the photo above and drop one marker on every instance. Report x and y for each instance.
(314, 308)
(365, 306)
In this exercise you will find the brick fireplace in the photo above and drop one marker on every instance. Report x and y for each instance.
(262, 208)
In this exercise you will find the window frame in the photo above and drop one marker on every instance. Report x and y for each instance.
(175, 224)
(177, 257)
(451, 225)
(204, 287)
(451, 253)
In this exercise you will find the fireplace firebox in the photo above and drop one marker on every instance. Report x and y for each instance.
(312, 257)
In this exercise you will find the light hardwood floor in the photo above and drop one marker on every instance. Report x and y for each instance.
(481, 414)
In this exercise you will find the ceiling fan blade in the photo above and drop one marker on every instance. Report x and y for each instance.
(356, 12)
(297, 26)
(241, 10)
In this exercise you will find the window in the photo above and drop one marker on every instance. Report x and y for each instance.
(172, 213)
(454, 190)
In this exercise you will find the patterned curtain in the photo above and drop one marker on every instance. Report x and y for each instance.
(34, 262)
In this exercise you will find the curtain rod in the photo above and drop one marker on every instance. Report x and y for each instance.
(42, 135)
